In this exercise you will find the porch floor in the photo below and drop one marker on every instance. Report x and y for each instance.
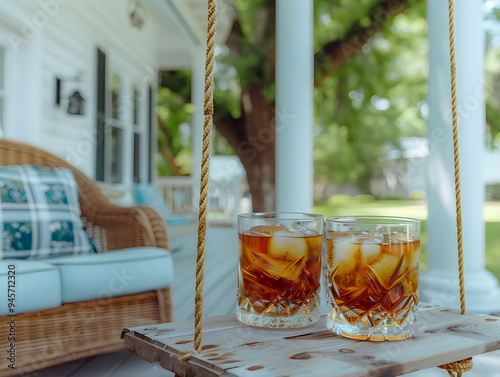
(220, 298)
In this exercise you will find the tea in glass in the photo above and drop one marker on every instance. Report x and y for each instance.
(279, 269)
(373, 277)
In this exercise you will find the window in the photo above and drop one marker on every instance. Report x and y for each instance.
(101, 115)
(150, 134)
(136, 107)
(110, 125)
(137, 136)
(137, 157)
(123, 112)
(116, 146)
(115, 95)
(115, 141)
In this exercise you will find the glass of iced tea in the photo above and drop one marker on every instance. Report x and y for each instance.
(373, 276)
(279, 269)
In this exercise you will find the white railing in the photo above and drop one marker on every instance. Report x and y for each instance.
(223, 198)
(178, 194)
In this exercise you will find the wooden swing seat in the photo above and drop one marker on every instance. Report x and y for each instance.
(238, 350)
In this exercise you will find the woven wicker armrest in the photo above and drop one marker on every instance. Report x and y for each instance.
(113, 228)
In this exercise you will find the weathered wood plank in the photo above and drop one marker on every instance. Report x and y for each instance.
(377, 359)
(185, 328)
(161, 333)
(234, 349)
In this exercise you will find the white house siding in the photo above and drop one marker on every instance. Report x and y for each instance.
(71, 42)
(22, 46)
(46, 39)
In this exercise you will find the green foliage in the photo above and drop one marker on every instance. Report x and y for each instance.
(376, 97)
(492, 75)
(417, 195)
(363, 198)
(334, 19)
(174, 114)
(227, 89)
(254, 43)
(373, 99)
(492, 92)
(338, 199)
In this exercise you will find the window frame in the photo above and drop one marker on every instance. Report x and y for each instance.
(126, 107)
(114, 124)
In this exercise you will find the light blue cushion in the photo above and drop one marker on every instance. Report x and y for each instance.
(114, 273)
(149, 195)
(40, 213)
(37, 286)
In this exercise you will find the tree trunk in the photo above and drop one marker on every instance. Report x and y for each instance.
(253, 138)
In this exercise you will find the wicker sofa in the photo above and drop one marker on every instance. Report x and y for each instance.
(82, 329)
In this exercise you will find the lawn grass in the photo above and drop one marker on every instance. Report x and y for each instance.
(418, 210)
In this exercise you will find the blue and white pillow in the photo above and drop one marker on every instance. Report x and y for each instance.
(40, 213)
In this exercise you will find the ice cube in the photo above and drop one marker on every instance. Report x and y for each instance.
(386, 267)
(400, 237)
(288, 269)
(377, 231)
(370, 249)
(315, 245)
(310, 232)
(287, 233)
(411, 254)
(287, 246)
(266, 230)
(329, 252)
(344, 252)
(410, 283)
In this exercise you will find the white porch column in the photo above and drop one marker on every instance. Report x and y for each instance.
(197, 98)
(439, 284)
(294, 105)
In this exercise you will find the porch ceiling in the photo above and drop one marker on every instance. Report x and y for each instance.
(185, 24)
(225, 15)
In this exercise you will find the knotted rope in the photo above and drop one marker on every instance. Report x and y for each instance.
(205, 163)
(465, 365)
(458, 367)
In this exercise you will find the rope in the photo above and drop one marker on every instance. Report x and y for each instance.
(208, 111)
(458, 367)
(456, 152)
(465, 365)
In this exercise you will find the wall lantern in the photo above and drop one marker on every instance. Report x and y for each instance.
(137, 14)
(76, 104)
(75, 101)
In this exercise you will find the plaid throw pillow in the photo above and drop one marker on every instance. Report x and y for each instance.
(40, 213)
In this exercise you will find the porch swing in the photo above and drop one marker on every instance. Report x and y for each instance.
(235, 349)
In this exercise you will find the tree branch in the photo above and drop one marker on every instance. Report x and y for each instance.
(167, 152)
(234, 40)
(334, 54)
(231, 129)
(262, 25)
